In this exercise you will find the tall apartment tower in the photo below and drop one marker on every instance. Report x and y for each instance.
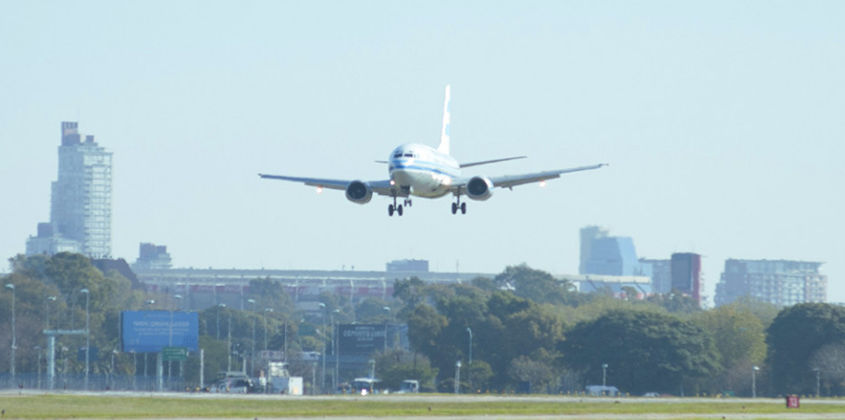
(607, 255)
(686, 274)
(780, 282)
(589, 234)
(80, 210)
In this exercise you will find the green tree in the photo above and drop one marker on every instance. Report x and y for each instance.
(794, 336)
(739, 338)
(372, 311)
(645, 351)
(538, 286)
(675, 302)
(424, 328)
(396, 366)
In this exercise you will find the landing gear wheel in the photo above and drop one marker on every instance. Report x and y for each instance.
(399, 209)
(390, 209)
(454, 208)
(463, 208)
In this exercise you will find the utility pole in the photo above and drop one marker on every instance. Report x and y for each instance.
(87, 335)
(603, 375)
(754, 370)
(11, 287)
(469, 365)
(252, 352)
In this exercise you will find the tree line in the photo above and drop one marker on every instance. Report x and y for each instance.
(525, 331)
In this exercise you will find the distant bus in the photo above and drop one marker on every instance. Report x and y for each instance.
(366, 386)
(602, 391)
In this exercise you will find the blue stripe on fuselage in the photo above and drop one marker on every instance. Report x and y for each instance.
(427, 167)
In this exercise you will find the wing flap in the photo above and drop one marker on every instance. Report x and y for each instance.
(381, 187)
(484, 162)
(509, 181)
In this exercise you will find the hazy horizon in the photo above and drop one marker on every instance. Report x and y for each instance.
(722, 123)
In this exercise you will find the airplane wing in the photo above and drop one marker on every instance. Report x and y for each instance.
(382, 187)
(510, 181)
(484, 162)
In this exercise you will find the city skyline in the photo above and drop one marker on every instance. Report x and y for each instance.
(723, 135)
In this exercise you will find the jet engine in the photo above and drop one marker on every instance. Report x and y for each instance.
(359, 192)
(479, 188)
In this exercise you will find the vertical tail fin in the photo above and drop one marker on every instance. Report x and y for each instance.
(447, 122)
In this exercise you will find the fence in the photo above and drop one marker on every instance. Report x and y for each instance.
(96, 382)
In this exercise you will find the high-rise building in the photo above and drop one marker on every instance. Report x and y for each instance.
(152, 257)
(660, 272)
(588, 235)
(780, 282)
(607, 255)
(80, 210)
(686, 274)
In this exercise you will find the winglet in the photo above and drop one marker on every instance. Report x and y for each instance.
(447, 122)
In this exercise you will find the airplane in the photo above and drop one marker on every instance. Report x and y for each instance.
(423, 171)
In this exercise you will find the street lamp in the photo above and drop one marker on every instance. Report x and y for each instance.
(229, 343)
(603, 375)
(47, 311)
(11, 287)
(266, 310)
(251, 303)
(170, 331)
(150, 303)
(469, 365)
(219, 307)
(87, 335)
(38, 354)
(754, 370)
(335, 338)
(458, 377)
(323, 355)
(386, 310)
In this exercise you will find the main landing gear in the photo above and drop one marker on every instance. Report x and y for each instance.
(458, 205)
(397, 208)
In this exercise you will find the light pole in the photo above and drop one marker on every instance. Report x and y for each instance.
(47, 311)
(818, 381)
(252, 355)
(229, 343)
(150, 303)
(11, 287)
(335, 343)
(173, 308)
(323, 355)
(219, 307)
(266, 310)
(87, 335)
(386, 310)
(458, 377)
(111, 372)
(38, 354)
(469, 364)
(603, 375)
(754, 370)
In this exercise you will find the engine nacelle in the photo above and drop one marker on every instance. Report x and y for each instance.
(479, 188)
(359, 192)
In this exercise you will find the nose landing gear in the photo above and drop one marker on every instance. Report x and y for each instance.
(397, 208)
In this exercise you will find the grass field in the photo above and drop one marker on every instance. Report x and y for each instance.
(155, 406)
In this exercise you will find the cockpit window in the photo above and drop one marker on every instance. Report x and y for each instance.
(398, 155)
(409, 155)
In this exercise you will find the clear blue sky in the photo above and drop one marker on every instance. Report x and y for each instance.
(724, 124)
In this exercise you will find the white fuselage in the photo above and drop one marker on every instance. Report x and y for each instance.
(420, 170)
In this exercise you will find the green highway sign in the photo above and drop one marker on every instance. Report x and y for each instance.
(174, 354)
